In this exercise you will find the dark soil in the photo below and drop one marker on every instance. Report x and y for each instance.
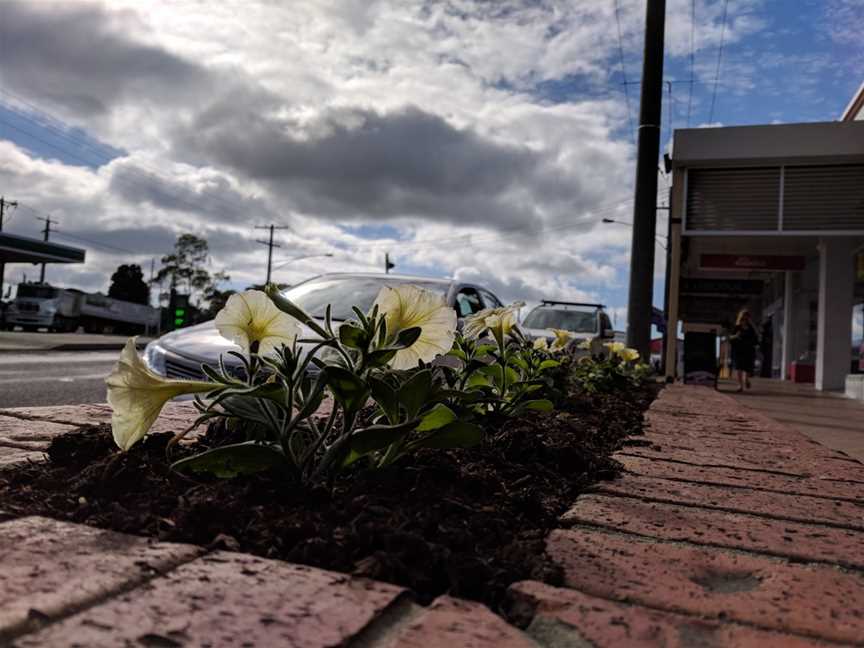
(464, 522)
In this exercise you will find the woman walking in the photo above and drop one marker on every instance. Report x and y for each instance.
(744, 341)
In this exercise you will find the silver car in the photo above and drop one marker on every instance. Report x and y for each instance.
(586, 321)
(181, 353)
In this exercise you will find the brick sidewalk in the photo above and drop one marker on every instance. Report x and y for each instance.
(726, 529)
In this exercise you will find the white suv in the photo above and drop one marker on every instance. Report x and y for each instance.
(585, 321)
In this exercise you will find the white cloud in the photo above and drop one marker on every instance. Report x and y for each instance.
(440, 119)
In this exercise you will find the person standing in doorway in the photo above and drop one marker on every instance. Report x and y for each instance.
(744, 341)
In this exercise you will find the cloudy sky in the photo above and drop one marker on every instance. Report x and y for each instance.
(479, 139)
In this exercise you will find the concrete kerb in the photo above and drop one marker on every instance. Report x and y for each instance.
(27, 343)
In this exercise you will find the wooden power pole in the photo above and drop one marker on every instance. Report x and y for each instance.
(640, 300)
(270, 245)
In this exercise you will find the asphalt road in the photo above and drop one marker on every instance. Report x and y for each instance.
(54, 377)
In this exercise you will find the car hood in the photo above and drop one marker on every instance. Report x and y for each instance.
(203, 342)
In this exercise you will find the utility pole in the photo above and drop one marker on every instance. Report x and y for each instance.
(387, 263)
(4, 204)
(270, 245)
(47, 233)
(639, 304)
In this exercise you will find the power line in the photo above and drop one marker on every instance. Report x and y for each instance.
(624, 72)
(719, 59)
(516, 230)
(692, 60)
(117, 248)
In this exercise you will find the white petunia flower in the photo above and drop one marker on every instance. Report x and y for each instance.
(615, 347)
(562, 338)
(250, 317)
(406, 306)
(495, 320)
(629, 355)
(136, 396)
(541, 344)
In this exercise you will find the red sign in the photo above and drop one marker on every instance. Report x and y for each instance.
(752, 262)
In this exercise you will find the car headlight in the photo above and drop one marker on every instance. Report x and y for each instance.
(154, 357)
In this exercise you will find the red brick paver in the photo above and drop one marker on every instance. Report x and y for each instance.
(676, 470)
(784, 506)
(453, 623)
(726, 529)
(817, 600)
(567, 615)
(51, 568)
(226, 599)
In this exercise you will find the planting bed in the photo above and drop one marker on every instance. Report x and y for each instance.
(464, 522)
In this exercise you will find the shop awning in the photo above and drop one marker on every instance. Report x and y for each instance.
(21, 249)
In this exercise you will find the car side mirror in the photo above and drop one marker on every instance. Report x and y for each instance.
(607, 334)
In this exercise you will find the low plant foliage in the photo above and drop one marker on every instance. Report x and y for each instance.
(617, 369)
(395, 379)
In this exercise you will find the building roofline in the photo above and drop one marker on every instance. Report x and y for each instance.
(770, 144)
(855, 105)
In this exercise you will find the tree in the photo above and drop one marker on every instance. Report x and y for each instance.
(127, 283)
(186, 270)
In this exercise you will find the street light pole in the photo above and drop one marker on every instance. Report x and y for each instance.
(639, 304)
(657, 237)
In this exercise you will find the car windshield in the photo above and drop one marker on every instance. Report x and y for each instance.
(569, 320)
(344, 292)
(36, 292)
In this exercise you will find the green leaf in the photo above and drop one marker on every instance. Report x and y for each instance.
(458, 353)
(353, 336)
(520, 362)
(313, 397)
(380, 357)
(386, 398)
(495, 372)
(287, 306)
(232, 460)
(245, 409)
(549, 364)
(463, 396)
(272, 391)
(348, 389)
(540, 405)
(414, 392)
(458, 434)
(407, 337)
(484, 349)
(375, 437)
(512, 376)
(478, 379)
(436, 418)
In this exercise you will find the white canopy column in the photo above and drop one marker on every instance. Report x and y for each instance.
(834, 322)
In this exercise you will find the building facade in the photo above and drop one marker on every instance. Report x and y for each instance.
(771, 218)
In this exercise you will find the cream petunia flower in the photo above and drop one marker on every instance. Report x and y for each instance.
(136, 396)
(250, 317)
(541, 344)
(496, 320)
(615, 347)
(562, 338)
(406, 306)
(629, 355)
(584, 345)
